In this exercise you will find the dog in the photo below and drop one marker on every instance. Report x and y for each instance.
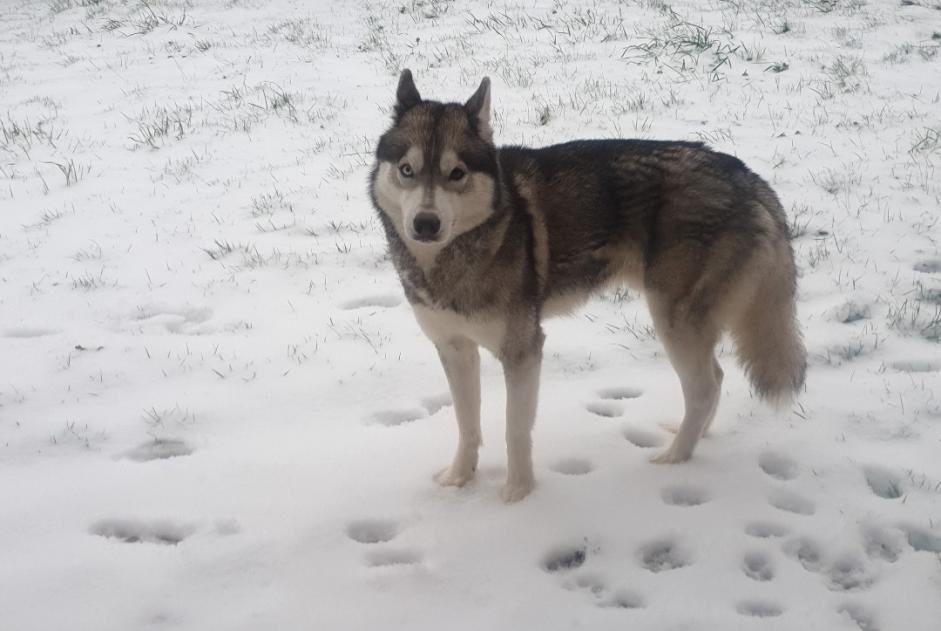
(488, 241)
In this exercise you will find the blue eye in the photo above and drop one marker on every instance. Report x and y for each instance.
(406, 170)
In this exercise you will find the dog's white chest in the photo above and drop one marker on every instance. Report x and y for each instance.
(442, 325)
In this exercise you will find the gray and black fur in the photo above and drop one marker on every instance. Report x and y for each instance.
(699, 233)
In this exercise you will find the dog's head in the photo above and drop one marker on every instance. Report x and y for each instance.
(436, 167)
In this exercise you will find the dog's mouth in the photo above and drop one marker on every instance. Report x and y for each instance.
(426, 241)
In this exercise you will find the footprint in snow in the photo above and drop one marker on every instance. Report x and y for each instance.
(663, 555)
(390, 558)
(184, 320)
(759, 609)
(682, 495)
(136, 531)
(922, 539)
(850, 312)
(372, 530)
(25, 332)
(619, 394)
(380, 300)
(394, 418)
(642, 438)
(572, 466)
(610, 405)
(883, 483)
(881, 543)
(778, 465)
(436, 403)
(594, 586)
(607, 409)
(766, 529)
(848, 573)
(931, 266)
(791, 502)
(586, 582)
(623, 599)
(757, 566)
(916, 366)
(805, 551)
(860, 615)
(565, 558)
(159, 449)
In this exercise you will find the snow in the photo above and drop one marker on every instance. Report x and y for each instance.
(216, 409)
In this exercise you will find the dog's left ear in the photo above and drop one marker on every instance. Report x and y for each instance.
(406, 95)
(478, 108)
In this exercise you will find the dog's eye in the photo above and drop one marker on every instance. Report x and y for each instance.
(457, 175)
(406, 170)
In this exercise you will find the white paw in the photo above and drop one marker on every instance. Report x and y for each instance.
(452, 476)
(673, 428)
(672, 455)
(516, 490)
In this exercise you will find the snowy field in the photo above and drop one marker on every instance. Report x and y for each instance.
(216, 409)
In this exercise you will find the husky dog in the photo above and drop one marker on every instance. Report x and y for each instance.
(489, 241)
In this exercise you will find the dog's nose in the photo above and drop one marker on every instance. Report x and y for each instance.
(426, 226)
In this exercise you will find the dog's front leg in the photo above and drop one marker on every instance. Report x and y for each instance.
(522, 393)
(461, 362)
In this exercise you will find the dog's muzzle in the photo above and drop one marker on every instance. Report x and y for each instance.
(426, 226)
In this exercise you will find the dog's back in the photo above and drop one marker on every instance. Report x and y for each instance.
(695, 229)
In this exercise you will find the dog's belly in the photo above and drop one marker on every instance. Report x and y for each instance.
(564, 304)
(442, 326)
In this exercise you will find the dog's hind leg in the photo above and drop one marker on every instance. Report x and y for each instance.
(674, 428)
(690, 347)
(718, 373)
(461, 361)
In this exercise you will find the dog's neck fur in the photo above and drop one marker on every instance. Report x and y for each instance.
(439, 278)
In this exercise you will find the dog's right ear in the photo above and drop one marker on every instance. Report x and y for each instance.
(406, 95)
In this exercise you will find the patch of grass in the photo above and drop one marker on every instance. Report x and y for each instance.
(20, 135)
(847, 73)
(857, 347)
(157, 125)
(798, 221)
(181, 169)
(147, 19)
(91, 253)
(837, 181)
(276, 99)
(916, 317)
(822, 6)
(70, 171)
(302, 32)
(58, 6)
(926, 140)
(88, 281)
(689, 49)
(544, 114)
(267, 204)
(176, 415)
(904, 53)
(222, 249)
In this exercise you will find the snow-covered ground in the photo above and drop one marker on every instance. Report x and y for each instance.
(216, 410)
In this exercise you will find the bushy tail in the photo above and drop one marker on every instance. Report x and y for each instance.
(768, 340)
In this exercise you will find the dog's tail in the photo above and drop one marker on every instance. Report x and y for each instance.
(768, 340)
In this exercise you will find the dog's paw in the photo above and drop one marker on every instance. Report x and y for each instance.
(673, 428)
(516, 490)
(452, 476)
(672, 455)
